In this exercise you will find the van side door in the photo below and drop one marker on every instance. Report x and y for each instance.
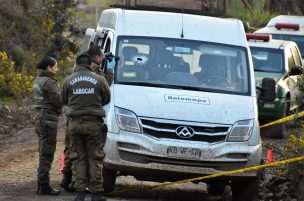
(294, 60)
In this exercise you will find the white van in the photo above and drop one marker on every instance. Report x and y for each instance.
(286, 27)
(280, 60)
(183, 99)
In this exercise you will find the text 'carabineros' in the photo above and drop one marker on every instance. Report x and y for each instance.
(83, 78)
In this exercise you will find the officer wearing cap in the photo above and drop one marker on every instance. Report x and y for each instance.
(48, 105)
(85, 93)
(98, 60)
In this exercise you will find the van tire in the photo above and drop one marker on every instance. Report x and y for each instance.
(246, 190)
(215, 188)
(279, 131)
(109, 179)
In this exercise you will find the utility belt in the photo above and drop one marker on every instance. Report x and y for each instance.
(46, 114)
(48, 111)
(86, 118)
(90, 118)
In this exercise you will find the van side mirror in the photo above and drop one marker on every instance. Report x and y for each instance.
(98, 40)
(267, 90)
(296, 70)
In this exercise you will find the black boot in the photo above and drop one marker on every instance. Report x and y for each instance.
(98, 197)
(80, 196)
(45, 189)
(66, 182)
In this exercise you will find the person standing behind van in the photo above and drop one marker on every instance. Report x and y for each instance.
(86, 93)
(48, 105)
(97, 57)
(99, 62)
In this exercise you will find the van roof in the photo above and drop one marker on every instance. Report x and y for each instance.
(286, 19)
(273, 30)
(273, 43)
(172, 25)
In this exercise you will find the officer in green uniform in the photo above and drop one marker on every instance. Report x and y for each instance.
(99, 63)
(85, 93)
(97, 57)
(48, 105)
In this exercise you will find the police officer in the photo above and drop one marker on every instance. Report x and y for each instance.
(48, 105)
(86, 93)
(98, 60)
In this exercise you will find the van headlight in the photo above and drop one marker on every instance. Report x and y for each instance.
(241, 131)
(126, 120)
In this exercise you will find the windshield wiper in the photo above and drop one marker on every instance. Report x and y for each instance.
(150, 84)
(164, 85)
(259, 70)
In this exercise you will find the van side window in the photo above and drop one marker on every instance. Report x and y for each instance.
(296, 56)
(134, 59)
(108, 45)
(291, 61)
(104, 38)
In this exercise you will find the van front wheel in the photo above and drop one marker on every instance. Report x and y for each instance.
(279, 131)
(109, 179)
(215, 188)
(246, 190)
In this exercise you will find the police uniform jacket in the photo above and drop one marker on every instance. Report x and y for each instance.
(85, 92)
(47, 93)
(109, 75)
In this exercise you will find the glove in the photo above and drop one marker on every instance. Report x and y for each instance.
(111, 64)
(109, 56)
(111, 60)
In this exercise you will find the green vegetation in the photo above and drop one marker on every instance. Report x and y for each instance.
(7, 100)
(259, 18)
(31, 30)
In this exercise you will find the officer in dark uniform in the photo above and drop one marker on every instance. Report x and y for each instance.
(48, 105)
(85, 93)
(99, 63)
(97, 57)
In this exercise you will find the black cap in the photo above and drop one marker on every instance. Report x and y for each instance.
(84, 58)
(45, 62)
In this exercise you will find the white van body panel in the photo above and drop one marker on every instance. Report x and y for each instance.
(171, 25)
(176, 104)
(154, 148)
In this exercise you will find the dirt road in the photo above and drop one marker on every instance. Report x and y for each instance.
(18, 156)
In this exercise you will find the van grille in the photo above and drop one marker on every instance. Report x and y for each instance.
(162, 128)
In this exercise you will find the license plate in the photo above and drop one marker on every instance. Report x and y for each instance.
(183, 152)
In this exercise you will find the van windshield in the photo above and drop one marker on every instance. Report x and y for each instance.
(267, 60)
(182, 64)
(299, 40)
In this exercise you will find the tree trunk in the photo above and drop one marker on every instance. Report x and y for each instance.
(293, 7)
(248, 6)
(267, 5)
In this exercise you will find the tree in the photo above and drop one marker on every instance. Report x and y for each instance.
(294, 7)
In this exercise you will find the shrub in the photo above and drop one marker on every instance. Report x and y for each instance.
(13, 83)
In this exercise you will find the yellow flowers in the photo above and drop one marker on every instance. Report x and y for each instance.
(13, 83)
(296, 141)
(3, 56)
(71, 54)
(2, 80)
(48, 25)
(294, 148)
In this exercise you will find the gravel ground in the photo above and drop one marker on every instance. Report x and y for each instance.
(18, 156)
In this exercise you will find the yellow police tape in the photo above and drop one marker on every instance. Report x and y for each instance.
(296, 159)
(288, 118)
